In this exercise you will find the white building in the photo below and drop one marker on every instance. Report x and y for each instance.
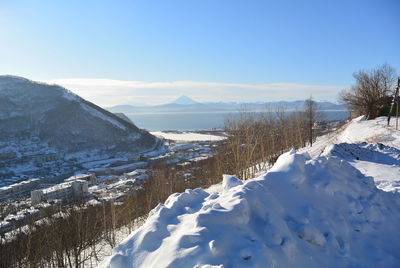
(67, 191)
(87, 177)
(18, 190)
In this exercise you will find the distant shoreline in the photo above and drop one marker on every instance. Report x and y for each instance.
(202, 121)
(218, 112)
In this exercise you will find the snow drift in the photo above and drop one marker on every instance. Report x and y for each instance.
(376, 160)
(304, 212)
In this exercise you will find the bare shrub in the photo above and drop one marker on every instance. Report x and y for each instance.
(369, 93)
(255, 140)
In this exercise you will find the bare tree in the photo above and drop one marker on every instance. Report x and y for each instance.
(369, 93)
(310, 117)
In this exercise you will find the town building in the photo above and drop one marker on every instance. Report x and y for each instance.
(67, 192)
(18, 190)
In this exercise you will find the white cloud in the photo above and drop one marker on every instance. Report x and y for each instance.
(108, 92)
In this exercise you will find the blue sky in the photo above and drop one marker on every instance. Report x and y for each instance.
(237, 50)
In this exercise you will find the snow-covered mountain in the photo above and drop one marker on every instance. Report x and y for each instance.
(38, 119)
(184, 100)
(323, 210)
(181, 104)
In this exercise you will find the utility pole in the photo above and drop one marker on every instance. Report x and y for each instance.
(395, 99)
(397, 110)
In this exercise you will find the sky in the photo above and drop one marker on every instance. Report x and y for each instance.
(153, 51)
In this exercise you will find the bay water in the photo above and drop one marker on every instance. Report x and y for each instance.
(186, 121)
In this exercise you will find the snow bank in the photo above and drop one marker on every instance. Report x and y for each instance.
(187, 136)
(229, 182)
(304, 212)
(376, 160)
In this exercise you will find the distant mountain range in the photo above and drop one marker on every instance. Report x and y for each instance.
(185, 104)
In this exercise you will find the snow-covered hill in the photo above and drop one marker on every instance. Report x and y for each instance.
(47, 122)
(324, 211)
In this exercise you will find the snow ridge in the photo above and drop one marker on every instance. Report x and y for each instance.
(102, 116)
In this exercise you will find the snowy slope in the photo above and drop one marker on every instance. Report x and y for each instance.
(302, 213)
(376, 160)
(379, 158)
(324, 211)
(358, 130)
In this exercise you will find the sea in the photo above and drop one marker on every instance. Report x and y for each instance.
(197, 121)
